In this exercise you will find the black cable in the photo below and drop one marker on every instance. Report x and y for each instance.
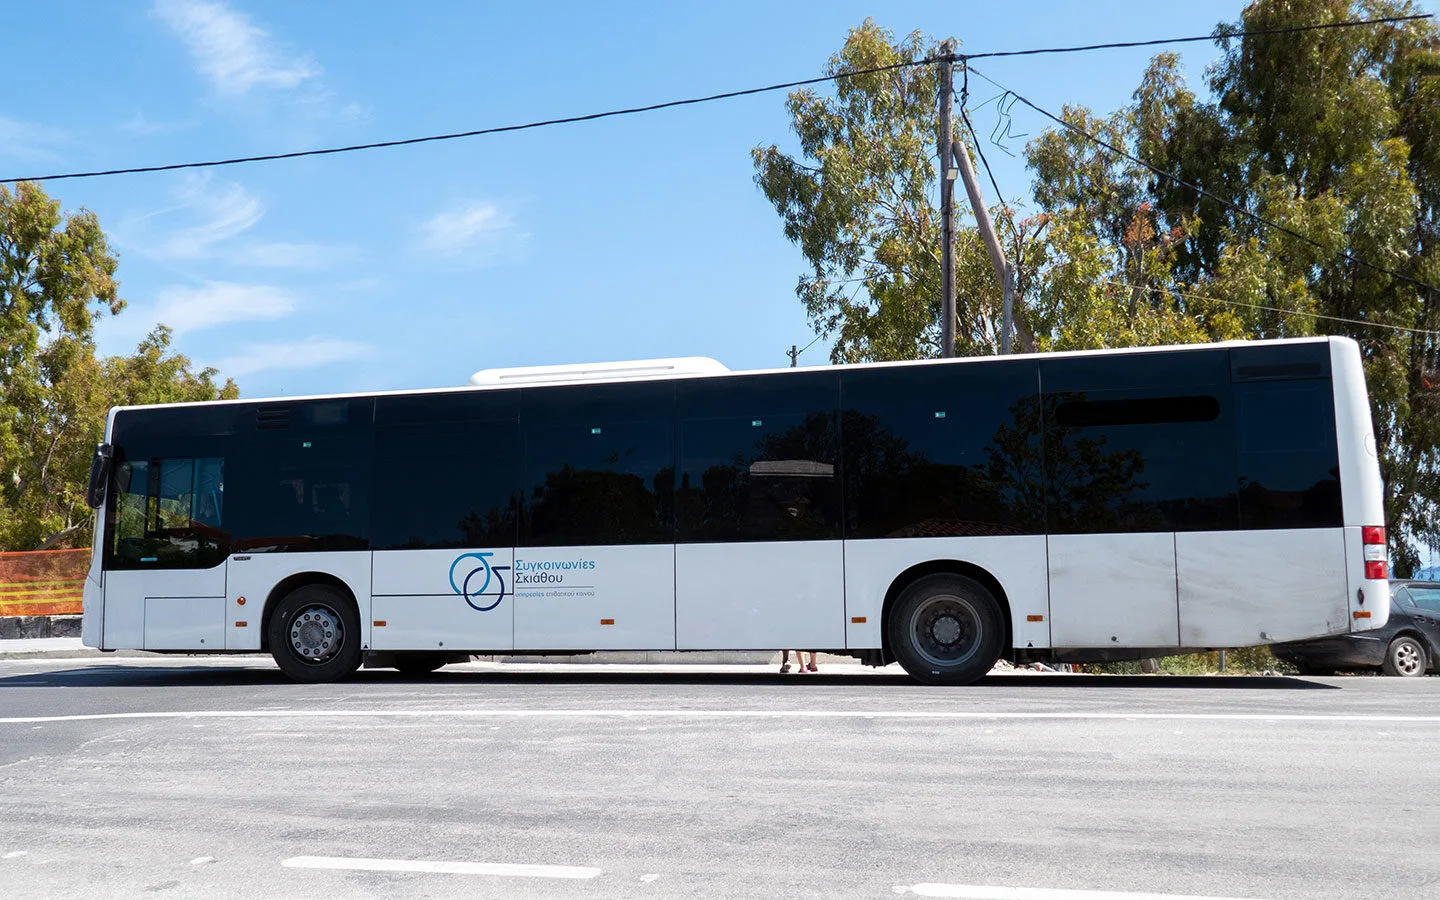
(1233, 207)
(808, 346)
(476, 133)
(964, 94)
(269, 157)
(1214, 36)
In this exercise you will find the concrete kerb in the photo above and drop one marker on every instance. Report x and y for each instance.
(33, 627)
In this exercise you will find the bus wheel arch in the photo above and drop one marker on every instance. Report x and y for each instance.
(981, 576)
(330, 608)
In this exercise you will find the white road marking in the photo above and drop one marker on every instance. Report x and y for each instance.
(202, 860)
(992, 892)
(649, 878)
(15, 854)
(514, 870)
(708, 714)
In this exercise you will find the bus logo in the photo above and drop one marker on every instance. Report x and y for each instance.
(475, 589)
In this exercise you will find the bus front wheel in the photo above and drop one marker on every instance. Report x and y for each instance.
(314, 634)
(945, 629)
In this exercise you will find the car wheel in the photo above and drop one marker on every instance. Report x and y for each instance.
(314, 634)
(945, 629)
(1405, 658)
(419, 663)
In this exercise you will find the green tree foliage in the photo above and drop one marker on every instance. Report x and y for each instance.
(858, 203)
(57, 278)
(1333, 134)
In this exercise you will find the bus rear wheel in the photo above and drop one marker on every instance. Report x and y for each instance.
(945, 629)
(314, 634)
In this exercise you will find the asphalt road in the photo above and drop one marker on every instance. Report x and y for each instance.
(216, 778)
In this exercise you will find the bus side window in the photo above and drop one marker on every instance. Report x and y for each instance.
(759, 461)
(599, 465)
(132, 508)
(1289, 464)
(168, 514)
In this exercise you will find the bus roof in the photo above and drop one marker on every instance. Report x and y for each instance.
(624, 371)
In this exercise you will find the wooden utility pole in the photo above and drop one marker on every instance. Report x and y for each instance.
(794, 356)
(947, 202)
(1004, 272)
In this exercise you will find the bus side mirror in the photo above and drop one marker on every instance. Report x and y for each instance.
(99, 475)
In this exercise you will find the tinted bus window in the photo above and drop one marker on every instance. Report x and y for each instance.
(599, 465)
(306, 471)
(1289, 462)
(759, 458)
(447, 470)
(1140, 443)
(950, 451)
(169, 514)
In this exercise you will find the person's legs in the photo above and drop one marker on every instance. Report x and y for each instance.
(785, 662)
(813, 667)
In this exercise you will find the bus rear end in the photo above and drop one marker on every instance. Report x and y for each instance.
(1367, 563)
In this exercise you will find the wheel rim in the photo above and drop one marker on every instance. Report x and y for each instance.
(316, 634)
(947, 630)
(1407, 658)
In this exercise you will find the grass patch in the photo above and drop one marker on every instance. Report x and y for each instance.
(1244, 661)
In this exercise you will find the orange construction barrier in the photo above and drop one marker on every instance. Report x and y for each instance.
(42, 582)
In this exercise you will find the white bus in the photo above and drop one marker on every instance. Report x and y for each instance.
(1068, 507)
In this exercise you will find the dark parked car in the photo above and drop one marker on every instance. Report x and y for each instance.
(1408, 645)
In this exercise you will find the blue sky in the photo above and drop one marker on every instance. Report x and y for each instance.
(633, 237)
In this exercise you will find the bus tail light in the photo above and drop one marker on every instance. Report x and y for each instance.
(1377, 556)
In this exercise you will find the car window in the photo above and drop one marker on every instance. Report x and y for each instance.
(1400, 598)
(1427, 598)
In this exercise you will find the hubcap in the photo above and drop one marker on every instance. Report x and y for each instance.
(316, 634)
(1407, 658)
(947, 630)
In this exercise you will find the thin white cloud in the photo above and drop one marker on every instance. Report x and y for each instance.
(140, 126)
(191, 309)
(217, 303)
(225, 211)
(236, 55)
(29, 142)
(479, 229)
(283, 255)
(313, 352)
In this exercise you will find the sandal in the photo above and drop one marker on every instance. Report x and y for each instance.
(812, 668)
(784, 667)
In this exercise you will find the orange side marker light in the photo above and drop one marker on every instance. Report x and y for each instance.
(607, 621)
(857, 620)
(379, 623)
(1034, 618)
(1363, 614)
(239, 601)
(241, 624)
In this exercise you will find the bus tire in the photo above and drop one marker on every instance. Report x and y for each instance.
(945, 629)
(314, 634)
(419, 663)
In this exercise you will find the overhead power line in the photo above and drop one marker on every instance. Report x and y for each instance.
(1228, 204)
(1218, 35)
(500, 129)
(588, 117)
